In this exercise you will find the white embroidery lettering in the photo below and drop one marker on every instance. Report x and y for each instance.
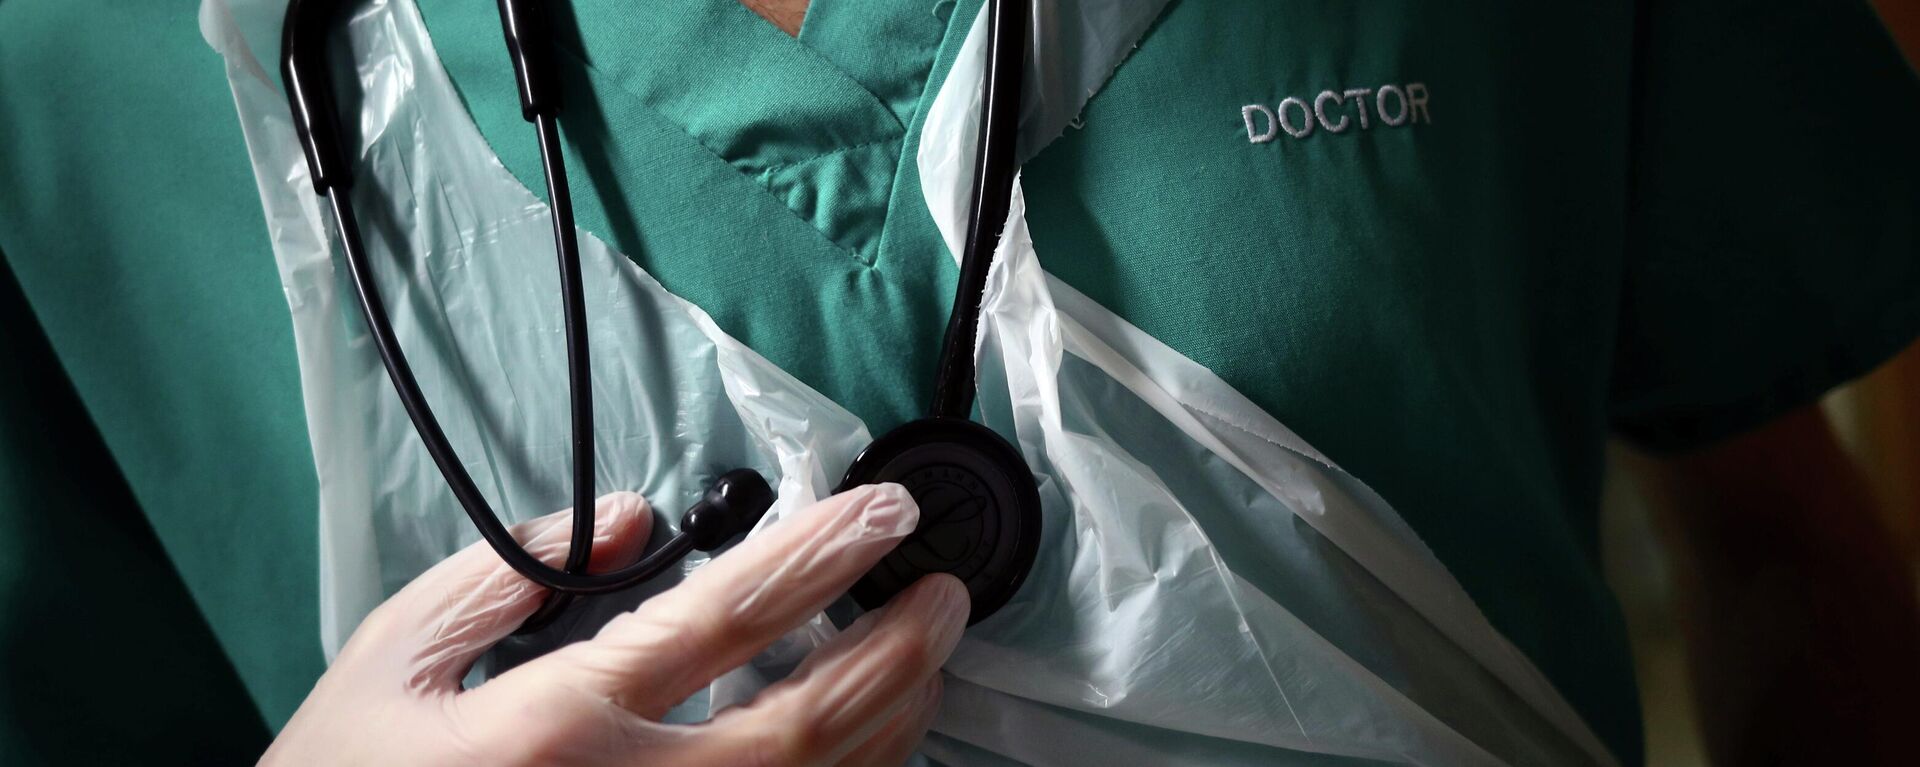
(1359, 96)
(1417, 102)
(1273, 125)
(1320, 112)
(1306, 118)
(1399, 115)
(1396, 105)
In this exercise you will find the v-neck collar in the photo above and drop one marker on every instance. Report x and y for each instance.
(818, 121)
(747, 91)
(887, 46)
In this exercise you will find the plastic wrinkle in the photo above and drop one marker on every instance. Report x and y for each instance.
(1070, 379)
(1210, 589)
(449, 228)
(1075, 46)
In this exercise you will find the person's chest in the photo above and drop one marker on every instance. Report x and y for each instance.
(1385, 222)
(1302, 196)
(1399, 228)
(1395, 226)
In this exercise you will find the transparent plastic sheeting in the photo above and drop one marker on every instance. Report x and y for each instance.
(464, 258)
(1210, 590)
(1074, 46)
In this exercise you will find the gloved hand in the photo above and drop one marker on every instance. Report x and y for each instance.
(393, 696)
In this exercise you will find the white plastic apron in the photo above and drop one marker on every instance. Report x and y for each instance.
(1209, 589)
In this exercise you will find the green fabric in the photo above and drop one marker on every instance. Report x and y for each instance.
(1675, 224)
(1776, 242)
(692, 157)
(1457, 311)
(106, 659)
(128, 213)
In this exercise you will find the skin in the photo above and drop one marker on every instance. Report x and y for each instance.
(1799, 611)
(785, 14)
(1802, 623)
(1801, 619)
(1798, 604)
(865, 697)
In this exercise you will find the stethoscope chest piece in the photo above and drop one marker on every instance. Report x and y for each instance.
(979, 511)
(979, 504)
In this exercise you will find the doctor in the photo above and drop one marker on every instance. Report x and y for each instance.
(1588, 231)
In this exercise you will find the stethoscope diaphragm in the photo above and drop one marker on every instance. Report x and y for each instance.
(979, 511)
(979, 504)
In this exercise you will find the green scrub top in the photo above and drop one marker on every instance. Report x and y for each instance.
(1453, 246)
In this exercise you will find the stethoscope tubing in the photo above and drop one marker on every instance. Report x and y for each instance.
(995, 166)
(373, 310)
(524, 25)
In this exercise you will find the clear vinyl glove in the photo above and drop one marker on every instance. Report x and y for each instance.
(394, 697)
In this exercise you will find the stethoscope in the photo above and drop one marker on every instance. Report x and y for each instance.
(979, 503)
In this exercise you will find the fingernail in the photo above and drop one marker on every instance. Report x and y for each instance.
(885, 511)
(942, 602)
(624, 502)
(548, 528)
(954, 597)
(930, 695)
(611, 512)
(619, 510)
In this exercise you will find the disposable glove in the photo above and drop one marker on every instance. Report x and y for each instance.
(393, 696)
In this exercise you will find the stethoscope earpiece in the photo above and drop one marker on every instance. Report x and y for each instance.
(730, 507)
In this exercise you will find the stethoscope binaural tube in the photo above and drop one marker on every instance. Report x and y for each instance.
(979, 502)
(976, 494)
(730, 506)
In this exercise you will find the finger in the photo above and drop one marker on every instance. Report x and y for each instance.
(824, 713)
(652, 658)
(895, 742)
(846, 640)
(436, 626)
(890, 745)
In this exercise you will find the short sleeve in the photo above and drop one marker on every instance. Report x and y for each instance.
(1773, 250)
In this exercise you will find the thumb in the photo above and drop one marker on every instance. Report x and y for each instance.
(433, 630)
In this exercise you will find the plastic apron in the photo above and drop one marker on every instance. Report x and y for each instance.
(1209, 588)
